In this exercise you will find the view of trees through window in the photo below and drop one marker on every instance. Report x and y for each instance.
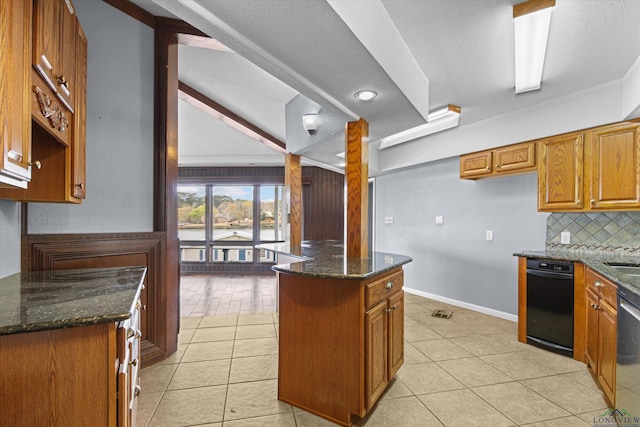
(225, 215)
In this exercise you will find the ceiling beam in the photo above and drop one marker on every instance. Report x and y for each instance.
(217, 111)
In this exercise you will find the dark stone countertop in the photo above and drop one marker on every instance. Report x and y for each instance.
(598, 261)
(326, 259)
(41, 300)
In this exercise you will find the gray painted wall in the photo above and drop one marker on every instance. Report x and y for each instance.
(454, 260)
(119, 130)
(9, 238)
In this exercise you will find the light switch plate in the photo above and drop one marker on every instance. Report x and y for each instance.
(489, 234)
(439, 219)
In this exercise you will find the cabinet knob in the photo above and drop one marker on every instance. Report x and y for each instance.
(497, 166)
(578, 202)
(593, 201)
(598, 284)
(131, 333)
(138, 304)
(487, 168)
(389, 285)
(134, 362)
(388, 310)
(81, 185)
(394, 307)
(137, 390)
(37, 164)
(138, 333)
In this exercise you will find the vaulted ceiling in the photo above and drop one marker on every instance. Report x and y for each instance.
(456, 51)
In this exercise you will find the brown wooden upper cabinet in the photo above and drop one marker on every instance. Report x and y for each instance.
(15, 100)
(54, 81)
(509, 160)
(613, 154)
(560, 173)
(594, 170)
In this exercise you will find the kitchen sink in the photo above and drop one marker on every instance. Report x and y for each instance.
(631, 270)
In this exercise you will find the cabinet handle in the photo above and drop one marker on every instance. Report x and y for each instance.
(81, 185)
(134, 362)
(389, 285)
(37, 164)
(46, 62)
(64, 85)
(137, 390)
(598, 284)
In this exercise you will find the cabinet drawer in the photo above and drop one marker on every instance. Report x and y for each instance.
(382, 288)
(604, 288)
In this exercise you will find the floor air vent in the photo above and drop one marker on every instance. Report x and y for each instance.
(445, 314)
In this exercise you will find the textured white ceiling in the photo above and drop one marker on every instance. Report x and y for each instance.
(464, 47)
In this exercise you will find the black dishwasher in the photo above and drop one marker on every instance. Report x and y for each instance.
(550, 305)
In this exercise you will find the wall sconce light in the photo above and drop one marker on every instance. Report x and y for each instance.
(531, 21)
(310, 123)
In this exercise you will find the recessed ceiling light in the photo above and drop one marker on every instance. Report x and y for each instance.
(365, 95)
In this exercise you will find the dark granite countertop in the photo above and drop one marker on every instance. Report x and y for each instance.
(326, 259)
(40, 300)
(598, 261)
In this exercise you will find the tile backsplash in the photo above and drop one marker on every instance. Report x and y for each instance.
(597, 231)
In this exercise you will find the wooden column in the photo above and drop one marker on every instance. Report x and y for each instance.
(293, 185)
(357, 175)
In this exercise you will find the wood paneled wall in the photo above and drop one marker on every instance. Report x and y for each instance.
(72, 251)
(323, 200)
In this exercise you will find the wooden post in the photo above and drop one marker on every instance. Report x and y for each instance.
(357, 175)
(293, 185)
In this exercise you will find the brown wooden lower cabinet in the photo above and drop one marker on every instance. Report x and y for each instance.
(340, 342)
(602, 318)
(81, 376)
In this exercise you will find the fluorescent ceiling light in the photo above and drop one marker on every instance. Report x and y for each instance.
(439, 120)
(531, 21)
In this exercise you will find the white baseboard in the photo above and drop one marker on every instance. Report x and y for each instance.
(478, 308)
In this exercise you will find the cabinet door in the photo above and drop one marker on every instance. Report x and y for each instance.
(15, 99)
(615, 167)
(592, 331)
(513, 158)
(78, 147)
(46, 39)
(475, 164)
(376, 346)
(65, 78)
(560, 173)
(607, 349)
(396, 333)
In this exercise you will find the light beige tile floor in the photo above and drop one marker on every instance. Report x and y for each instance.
(468, 370)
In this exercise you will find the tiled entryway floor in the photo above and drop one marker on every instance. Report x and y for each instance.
(468, 370)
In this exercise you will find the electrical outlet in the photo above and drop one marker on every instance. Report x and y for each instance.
(439, 219)
(489, 234)
(388, 220)
(565, 237)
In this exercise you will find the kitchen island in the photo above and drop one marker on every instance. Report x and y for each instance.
(341, 328)
(69, 345)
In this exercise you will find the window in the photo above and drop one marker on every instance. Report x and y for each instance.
(217, 222)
